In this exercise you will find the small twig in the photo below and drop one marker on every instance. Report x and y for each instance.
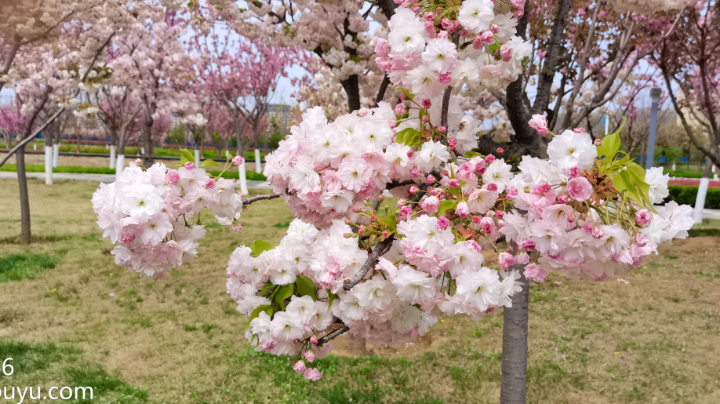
(260, 198)
(338, 332)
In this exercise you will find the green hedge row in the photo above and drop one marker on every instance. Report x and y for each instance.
(36, 168)
(686, 195)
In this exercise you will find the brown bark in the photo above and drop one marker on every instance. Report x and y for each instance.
(352, 89)
(25, 233)
(513, 385)
(148, 158)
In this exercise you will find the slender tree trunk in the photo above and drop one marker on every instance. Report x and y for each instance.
(352, 89)
(148, 158)
(515, 345)
(24, 197)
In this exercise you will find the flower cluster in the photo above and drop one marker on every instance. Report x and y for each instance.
(428, 49)
(146, 212)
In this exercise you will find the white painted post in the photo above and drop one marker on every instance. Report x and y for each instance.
(197, 157)
(120, 165)
(243, 178)
(48, 165)
(56, 154)
(258, 161)
(112, 156)
(700, 200)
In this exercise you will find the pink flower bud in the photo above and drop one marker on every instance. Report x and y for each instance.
(490, 159)
(373, 218)
(494, 28)
(430, 16)
(476, 219)
(487, 225)
(597, 142)
(127, 238)
(597, 233)
(453, 183)
(452, 144)
(499, 214)
(425, 118)
(309, 356)
(491, 187)
(539, 123)
(414, 189)
(400, 203)
(414, 172)
(299, 366)
(402, 96)
(643, 217)
(138, 162)
(347, 221)
(579, 130)
(426, 103)
(210, 183)
(314, 340)
(385, 234)
(238, 160)
(445, 78)
(442, 223)
(505, 260)
(410, 154)
(574, 172)
(500, 150)
(506, 52)
(362, 112)
(381, 197)
(392, 123)
(442, 129)
(236, 228)
(528, 245)
(400, 109)
(415, 9)
(430, 179)
(406, 210)
(172, 177)
(462, 210)
(189, 165)
(562, 199)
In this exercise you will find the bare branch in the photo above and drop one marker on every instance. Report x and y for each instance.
(260, 198)
(334, 334)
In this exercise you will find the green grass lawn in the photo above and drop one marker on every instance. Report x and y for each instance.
(180, 340)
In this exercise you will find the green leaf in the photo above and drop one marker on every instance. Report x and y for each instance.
(331, 298)
(259, 246)
(390, 222)
(407, 93)
(610, 146)
(265, 288)
(255, 313)
(209, 163)
(186, 157)
(624, 181)
(445, 205)
(283, 293)
(306, 287)
(407, 136)
(472, 154)
(493, 47)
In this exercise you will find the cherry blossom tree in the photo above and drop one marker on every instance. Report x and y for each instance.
(689, 62)
(11, 122)
(354, 263)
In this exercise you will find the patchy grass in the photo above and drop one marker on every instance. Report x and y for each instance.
(654, 340)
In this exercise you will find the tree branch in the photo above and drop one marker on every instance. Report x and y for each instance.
(545, 79)
(260, 198)
(334, 334)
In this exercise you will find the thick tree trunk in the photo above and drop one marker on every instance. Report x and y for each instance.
(515, 345)
(24, 197)
(352, 89)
